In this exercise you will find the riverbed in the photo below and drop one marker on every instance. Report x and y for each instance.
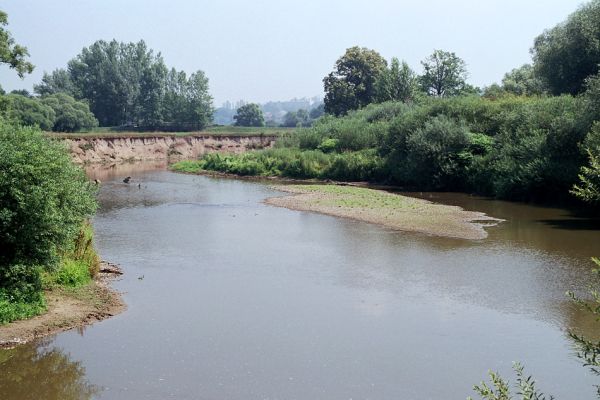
(229, 298)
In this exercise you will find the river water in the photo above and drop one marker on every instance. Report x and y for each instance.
(231, 299)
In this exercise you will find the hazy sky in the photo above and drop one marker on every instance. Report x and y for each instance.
(277, 49)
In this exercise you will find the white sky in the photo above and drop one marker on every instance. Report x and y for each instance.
(277, 49)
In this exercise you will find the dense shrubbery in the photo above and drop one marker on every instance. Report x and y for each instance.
(70, 115)
(510, 147)
(59, 112)
(44, 199)
(292, 163)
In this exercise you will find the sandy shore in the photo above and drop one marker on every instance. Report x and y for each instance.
(68, 309)
(387, 209)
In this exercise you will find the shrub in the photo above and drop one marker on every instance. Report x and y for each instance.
(44, 197)
(70, 115)
(27, 111)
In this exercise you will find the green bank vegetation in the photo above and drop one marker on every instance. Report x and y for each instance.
(45, 240)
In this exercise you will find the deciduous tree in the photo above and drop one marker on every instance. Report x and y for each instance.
(249, 115)
(351, 85)
(444, 74)
(11, 53)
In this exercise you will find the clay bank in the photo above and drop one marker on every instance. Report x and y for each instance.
(160, 147)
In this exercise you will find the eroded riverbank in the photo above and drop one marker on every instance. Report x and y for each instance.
(387, 209)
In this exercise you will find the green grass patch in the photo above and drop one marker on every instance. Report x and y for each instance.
(22, 297)
(357, 197)
(13, 310)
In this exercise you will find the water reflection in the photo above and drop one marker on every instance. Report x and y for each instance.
(41, 371)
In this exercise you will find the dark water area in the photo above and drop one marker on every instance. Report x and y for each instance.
(229, 298)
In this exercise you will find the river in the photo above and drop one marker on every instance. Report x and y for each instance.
(229, 298)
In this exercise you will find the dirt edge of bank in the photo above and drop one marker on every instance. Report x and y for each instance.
(69, 309)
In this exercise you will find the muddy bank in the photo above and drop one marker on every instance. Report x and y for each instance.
(387, 209)
(69, 308)
(151, 148)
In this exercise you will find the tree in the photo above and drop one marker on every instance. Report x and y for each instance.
(187, 101)
(398, 83)
(152, 94)
(351, 85)
(444, 74)
(249, 115)
(567, 54)
(59, 81)
(30, 112)
(522, 81)
(109, 76)
(200, 101)
(70, 115)
(12, 53)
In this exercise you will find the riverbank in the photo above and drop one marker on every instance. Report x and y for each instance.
(69, 308)
(386, 209)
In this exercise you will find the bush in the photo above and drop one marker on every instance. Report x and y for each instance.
(70, 115)
(72, 273)
(26, 111)
(44, 198)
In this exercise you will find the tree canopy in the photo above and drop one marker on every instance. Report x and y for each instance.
(70, 115)
(397, 83)
(352, 83)
(129, 84)
(28, 111)
(444, 74)
(567, 54)
(12, 53)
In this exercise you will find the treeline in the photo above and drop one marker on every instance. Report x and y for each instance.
(115, 84)
(528, 138)
(128, 84)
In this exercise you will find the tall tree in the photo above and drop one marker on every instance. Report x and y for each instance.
(58, 81)
(109, 76)
(351, 85)
(200, 101)
(444, 74)
(567, 54)
(12, 53)
(398, 83)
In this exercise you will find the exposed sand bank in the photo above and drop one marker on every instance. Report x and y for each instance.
(387, 209)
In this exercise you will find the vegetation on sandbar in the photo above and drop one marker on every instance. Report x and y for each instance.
(384, 208)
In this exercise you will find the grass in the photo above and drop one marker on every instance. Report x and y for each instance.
(383, 208)
(106, 132)
(357, 197)
(11, 310)
(77, 267)
(292, 163)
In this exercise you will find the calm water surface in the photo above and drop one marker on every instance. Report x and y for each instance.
(240, 300)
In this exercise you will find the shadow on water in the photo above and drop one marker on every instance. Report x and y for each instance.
(571, 223)
(39, 371)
